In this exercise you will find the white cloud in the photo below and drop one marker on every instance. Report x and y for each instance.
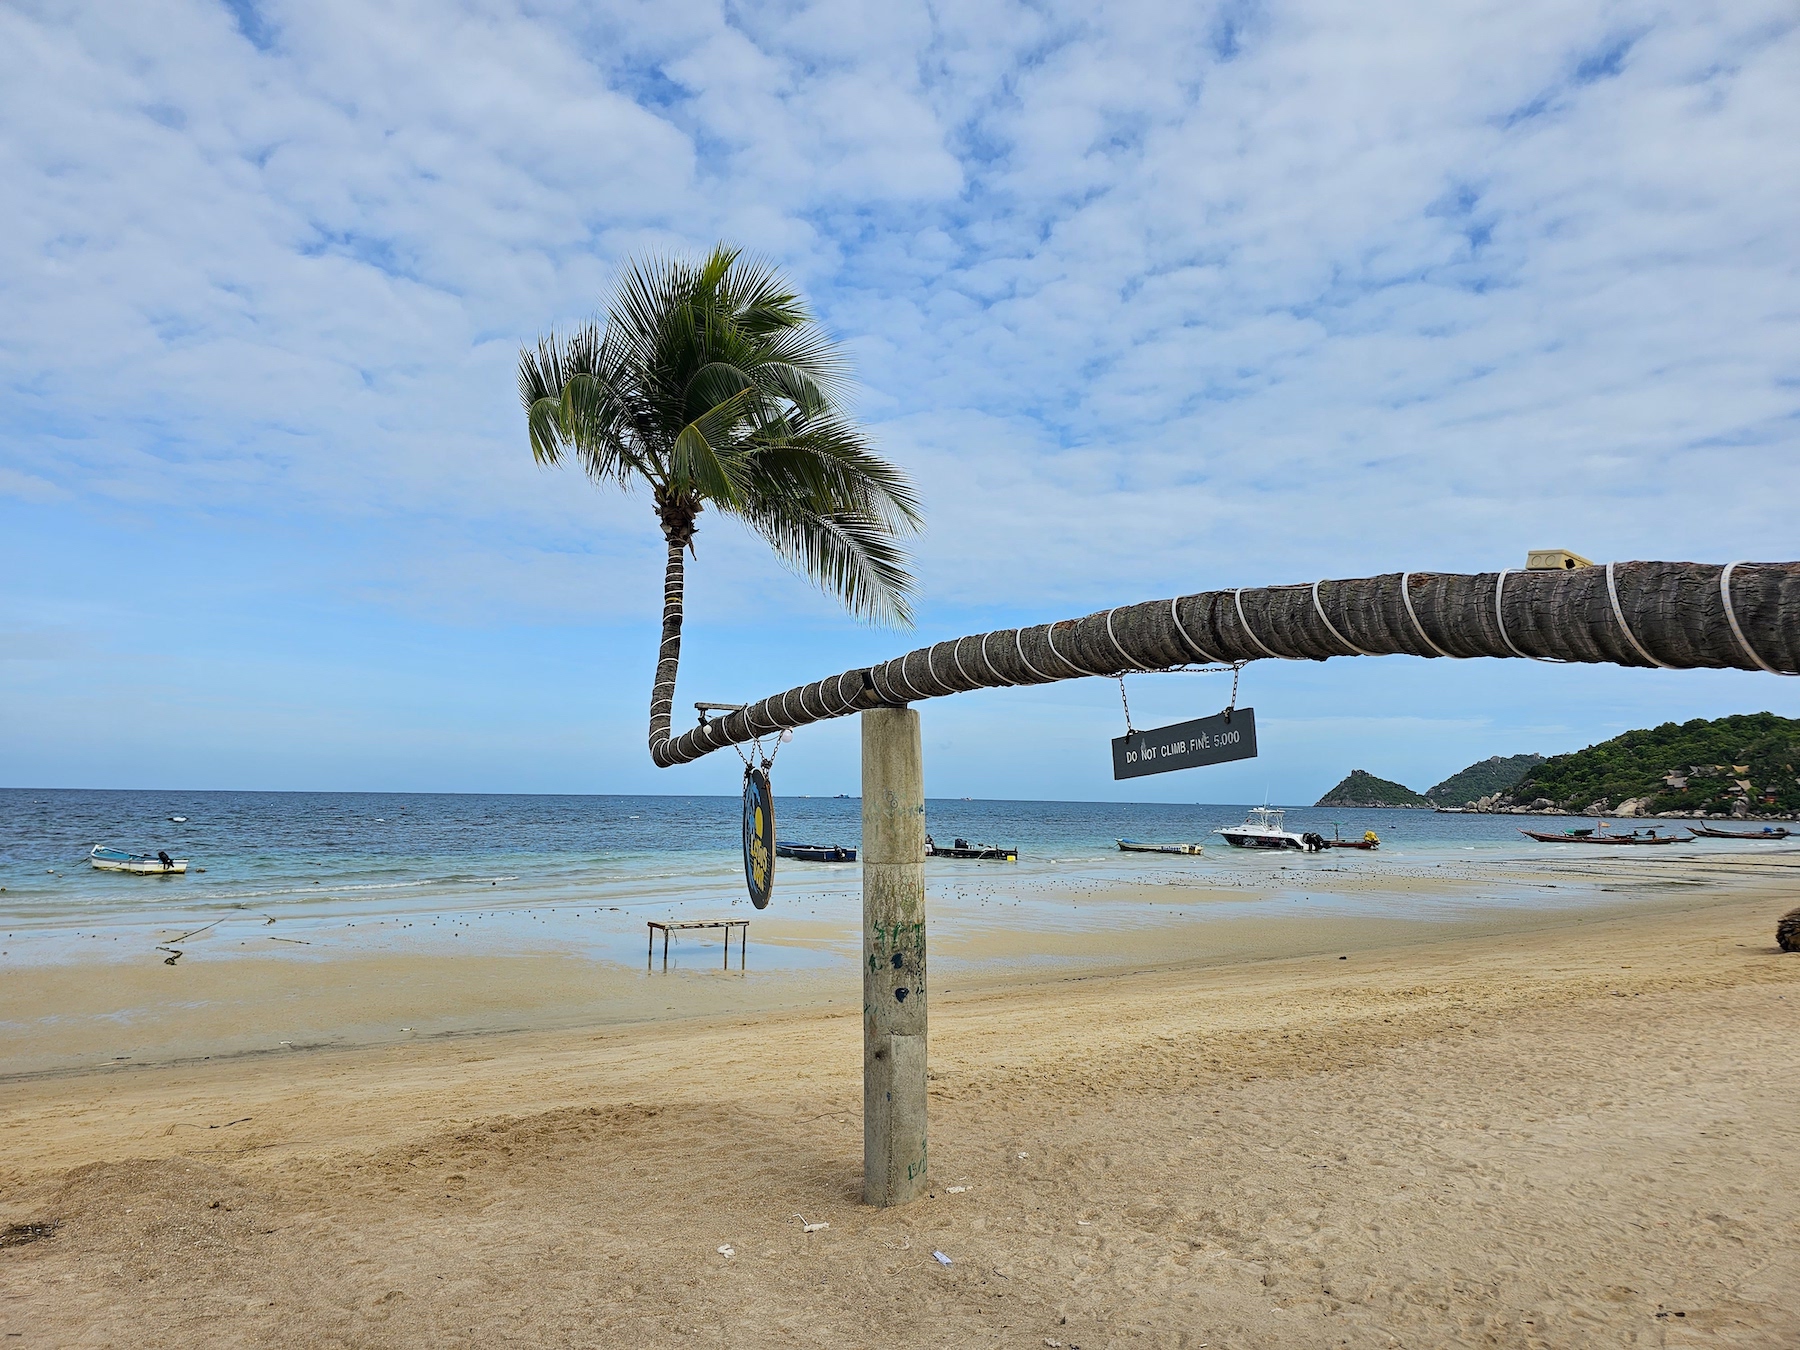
(1257, 293)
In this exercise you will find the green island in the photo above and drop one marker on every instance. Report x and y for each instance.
(1362, 788)
(1743, 765)
(1493, 775)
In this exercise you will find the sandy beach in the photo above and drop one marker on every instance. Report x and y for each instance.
(1548, 1129)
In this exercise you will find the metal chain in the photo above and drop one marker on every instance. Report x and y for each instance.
(1236, 668)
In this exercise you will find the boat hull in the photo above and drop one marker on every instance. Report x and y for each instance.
(1237, 839)
(815, 852)
(1135, 846)
(1614, 840)
(142, 867)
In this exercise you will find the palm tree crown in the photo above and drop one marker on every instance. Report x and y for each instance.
(711, 384)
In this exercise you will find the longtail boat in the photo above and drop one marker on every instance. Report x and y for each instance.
(1601, 837)
(1766, 833)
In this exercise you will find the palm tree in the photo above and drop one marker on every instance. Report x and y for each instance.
(711, 384)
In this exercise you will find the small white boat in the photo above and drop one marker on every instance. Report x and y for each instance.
(1262, 828)
(1139, 846)
(143, 864)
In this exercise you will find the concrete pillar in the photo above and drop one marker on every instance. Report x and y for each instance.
(893, 872)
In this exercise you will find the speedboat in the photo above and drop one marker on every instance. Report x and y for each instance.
(1262, 828)
(143, 864)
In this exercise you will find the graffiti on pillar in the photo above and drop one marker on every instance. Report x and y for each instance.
(897, 950)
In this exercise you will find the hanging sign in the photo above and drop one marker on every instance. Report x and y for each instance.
(1186, 745)
(759, 837)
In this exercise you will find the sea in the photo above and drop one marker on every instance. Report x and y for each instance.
(505, 869)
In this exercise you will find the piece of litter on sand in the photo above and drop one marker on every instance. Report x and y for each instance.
(806, 1227)
(1054, 1344)
(1024, 1155)
(727, 1252)
(955, 1190)
(1085, 1223)
(942, 1260)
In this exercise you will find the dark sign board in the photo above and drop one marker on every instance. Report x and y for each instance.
(759, 837)
(1187, 745)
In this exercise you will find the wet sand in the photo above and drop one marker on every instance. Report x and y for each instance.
(244, 986)
(1519, 1127)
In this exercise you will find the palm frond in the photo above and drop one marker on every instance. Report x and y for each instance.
(848, 554)
(830, 466)
(703, 468)
(540, 390)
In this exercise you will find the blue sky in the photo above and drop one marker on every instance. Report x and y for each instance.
(1148, 298)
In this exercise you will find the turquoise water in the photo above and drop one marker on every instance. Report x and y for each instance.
(585, 872)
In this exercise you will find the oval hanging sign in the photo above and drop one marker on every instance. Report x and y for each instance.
(759, 837)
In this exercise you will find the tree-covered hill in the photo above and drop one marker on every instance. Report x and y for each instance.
(1365, 789)
(1497, 773)
(1743, 765)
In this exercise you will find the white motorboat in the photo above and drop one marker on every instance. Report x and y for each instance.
(143, 864)
(1262, 828)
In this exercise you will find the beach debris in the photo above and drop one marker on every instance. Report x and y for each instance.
(19, 1234)
(727, 1251)
(170, 960)
(1024, 1155)
(806, 1227)
(1085, 1223)
(955, 1190)
(942, 1260)
(1053, 1343)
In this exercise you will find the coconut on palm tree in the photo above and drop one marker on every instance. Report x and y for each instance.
(710, 384)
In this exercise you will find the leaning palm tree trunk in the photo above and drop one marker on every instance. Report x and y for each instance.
(668, 656)
(1675, 615)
